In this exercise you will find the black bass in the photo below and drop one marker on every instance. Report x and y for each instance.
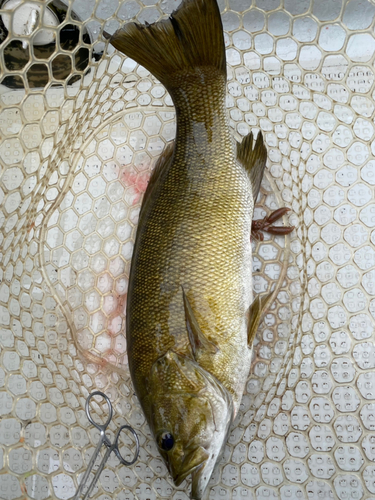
(190, 322)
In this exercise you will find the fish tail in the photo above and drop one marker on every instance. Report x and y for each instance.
(192, 37)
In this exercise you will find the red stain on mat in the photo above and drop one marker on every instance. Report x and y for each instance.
(136, 181)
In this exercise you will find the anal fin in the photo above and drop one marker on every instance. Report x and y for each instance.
(257, 308)
(198, 341)
(253, 160)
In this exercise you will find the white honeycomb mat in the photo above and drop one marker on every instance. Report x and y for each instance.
(78, 140)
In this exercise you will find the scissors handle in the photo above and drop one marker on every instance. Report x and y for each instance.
(101, 427)
(116, 448)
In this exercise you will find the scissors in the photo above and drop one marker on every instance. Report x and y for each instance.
(104, 440)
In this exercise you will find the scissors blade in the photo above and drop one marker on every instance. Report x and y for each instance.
(98, 472)
(85, 477)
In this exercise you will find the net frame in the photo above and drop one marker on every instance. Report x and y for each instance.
(302, 72)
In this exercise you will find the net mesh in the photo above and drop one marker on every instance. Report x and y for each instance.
(80, 129)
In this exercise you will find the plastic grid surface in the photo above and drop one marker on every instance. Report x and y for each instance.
(75, 158)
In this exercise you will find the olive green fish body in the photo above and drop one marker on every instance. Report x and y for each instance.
(196, 237)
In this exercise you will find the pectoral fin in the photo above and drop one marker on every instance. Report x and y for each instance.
(198, 341)
(257, 308)
(253, 160)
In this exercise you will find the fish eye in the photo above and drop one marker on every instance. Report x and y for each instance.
(166, 441)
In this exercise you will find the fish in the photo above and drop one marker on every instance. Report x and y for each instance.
(191, 318)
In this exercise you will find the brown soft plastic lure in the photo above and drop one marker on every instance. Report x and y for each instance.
(190, 322)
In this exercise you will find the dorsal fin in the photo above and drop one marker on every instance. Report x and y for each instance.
(162, 165)
(257, 308)
(253, 160)
(198, 341)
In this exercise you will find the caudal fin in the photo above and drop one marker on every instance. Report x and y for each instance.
(192, 37)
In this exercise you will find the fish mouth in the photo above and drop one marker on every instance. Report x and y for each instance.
(191, 463)
(200, 478)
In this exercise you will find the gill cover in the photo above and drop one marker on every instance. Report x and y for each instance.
(190, 416)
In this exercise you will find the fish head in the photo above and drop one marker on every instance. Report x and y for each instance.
(190, 415)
